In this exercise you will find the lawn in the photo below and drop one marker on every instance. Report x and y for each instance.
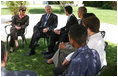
(105, 15)
(17, 60)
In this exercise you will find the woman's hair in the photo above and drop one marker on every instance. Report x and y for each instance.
(22, 7)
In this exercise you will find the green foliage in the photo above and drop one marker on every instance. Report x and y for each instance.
(53, 2)
(41, 10)
(14, 5)
(101, 4)
(93, 3)
(107, 5)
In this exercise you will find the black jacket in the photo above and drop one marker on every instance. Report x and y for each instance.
(51, 22)
(23, 23)
(72, 20)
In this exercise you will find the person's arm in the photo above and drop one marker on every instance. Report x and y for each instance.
(26, 23)
(69, 56)
(54, 25)
(67, 59)
(13, 21)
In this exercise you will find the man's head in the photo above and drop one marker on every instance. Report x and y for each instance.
(81, 10)
(22, 9)
(77, 35)
(48, 9)
(92, 24)
(3, 54)
(68, 10)
(86, 15)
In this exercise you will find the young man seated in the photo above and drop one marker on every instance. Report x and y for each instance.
(94, 41)
(84, 61)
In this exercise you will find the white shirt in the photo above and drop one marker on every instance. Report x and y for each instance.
(95, 42)
(69, 17)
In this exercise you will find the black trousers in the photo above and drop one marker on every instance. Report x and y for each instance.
(37, 34)
(52, 48)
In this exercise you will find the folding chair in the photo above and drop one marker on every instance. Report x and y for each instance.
(46, 38)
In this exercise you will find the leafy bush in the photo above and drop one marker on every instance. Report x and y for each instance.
(14, 5)
(102, 4)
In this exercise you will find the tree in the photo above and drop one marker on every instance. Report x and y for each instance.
(14, 5)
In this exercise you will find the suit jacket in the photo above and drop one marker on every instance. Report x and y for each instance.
(72, 20)
(24, 22)
(51, 22)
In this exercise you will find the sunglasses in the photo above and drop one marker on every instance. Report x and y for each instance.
(23, 10)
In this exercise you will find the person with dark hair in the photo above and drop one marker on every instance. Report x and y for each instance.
(5, 72)
(95, 40)
(61, 35)
(45, 26)
(19, 23)
(84, 61)
(81, 11)
(88, 15)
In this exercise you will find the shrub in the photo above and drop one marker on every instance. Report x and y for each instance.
(14, 5)
(102, 4)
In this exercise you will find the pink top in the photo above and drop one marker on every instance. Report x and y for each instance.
(21, 16)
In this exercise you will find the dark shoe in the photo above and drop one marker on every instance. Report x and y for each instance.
(48, 56)
(29, 54)
(49, 61)
(46, 52)
(36, 44)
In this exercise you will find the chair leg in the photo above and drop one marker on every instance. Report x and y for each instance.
(47, 41)
(44, 42)
(22, 40)
(25, 41)
(7, 40)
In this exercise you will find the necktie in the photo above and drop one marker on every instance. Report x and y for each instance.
(46, 18)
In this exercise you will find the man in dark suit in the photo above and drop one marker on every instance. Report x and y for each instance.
(47, 24)
(61, 35)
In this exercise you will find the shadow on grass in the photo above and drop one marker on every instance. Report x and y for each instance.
(17, 61)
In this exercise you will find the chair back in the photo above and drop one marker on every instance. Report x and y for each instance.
(102, 34)
(106, 46)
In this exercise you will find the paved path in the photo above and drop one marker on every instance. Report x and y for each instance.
(111, 30)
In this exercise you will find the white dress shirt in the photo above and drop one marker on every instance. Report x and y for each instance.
(69, 17)
(95, 42)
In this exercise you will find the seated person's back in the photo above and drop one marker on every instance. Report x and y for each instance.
(84, 61)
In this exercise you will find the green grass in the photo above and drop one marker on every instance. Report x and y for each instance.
(17, 60)
(111, 56)
(105, 15)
